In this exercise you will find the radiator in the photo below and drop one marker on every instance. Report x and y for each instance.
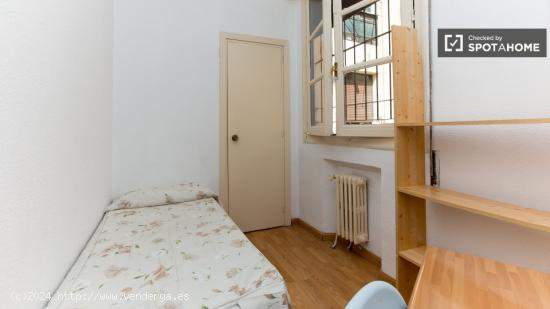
(351, 209)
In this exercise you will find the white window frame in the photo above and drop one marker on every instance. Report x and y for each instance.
(325, 128)
(342, 129)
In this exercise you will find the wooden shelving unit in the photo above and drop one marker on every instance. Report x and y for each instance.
(414, 255)
(410, 154)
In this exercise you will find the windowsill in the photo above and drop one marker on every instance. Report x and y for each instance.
(380, 143)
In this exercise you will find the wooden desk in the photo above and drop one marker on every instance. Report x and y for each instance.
(449, 279)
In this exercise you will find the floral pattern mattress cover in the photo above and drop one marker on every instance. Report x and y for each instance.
(180, 255)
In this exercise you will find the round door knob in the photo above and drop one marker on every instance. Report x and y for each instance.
(235, 137)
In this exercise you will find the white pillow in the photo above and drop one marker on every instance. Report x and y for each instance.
(161, 196)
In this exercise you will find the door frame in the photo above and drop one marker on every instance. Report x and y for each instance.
(224, 176)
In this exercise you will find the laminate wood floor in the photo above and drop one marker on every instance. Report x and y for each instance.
(316, 275)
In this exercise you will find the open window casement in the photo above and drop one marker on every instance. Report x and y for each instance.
(364, 90)
(319, 57)
(349, 65)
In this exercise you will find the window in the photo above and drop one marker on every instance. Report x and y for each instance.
(355, 44)
(358, 91)
(320, 62)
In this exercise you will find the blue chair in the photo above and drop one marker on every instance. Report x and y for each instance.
(377, 295)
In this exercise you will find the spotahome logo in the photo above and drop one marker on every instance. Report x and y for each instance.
(454, 42)
(491, 42)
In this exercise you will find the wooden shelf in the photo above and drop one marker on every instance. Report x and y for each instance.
(476, 122)
(527, 217)
(414, 255)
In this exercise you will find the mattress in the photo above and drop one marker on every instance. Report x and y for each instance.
(182, 255)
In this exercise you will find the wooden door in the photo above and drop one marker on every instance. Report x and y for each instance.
(256, 134)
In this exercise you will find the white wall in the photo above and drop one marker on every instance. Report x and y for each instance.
(317, 193)
(55, 140)
(166, 85)
(507, 163)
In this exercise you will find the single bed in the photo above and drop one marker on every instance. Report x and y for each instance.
(185, 253)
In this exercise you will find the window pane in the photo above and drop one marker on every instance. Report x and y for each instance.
(316, 103)
(366, 32)
(316, 56)
(368, 96)
(315, 14)
(382, 45)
